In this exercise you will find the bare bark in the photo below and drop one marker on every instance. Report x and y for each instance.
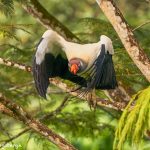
(126, 35)
(15, 64)
(100, 102)
(17, 112)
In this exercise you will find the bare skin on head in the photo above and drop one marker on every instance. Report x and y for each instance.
(74, 65)
(74, 69)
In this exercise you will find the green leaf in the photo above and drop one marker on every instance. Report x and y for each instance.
(134, 120)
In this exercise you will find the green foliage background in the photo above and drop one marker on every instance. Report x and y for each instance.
(85, 128)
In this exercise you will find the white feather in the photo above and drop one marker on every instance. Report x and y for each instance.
(99, 1)
(41, 50)
(108, 44)
(49, 37)
(86, 52)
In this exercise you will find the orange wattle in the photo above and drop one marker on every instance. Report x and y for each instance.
(74, 68)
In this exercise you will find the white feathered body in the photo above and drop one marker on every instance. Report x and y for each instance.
(86, 52)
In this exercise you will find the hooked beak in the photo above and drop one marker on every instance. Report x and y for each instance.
(74, 68)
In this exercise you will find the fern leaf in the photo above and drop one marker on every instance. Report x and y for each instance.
(134, 120)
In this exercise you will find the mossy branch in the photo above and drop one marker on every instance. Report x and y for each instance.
(14, 110)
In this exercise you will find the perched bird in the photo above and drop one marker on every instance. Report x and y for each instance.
(88, 65)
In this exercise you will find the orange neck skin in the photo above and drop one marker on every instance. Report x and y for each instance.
(74, 69)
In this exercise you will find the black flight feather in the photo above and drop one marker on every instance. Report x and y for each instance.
(40, 78)
(102, 74)
(52, 67)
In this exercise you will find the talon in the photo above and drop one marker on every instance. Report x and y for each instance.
(91, 98)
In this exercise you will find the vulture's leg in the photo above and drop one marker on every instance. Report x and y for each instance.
(91, 98)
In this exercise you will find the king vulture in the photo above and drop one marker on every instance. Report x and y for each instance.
(57, 57)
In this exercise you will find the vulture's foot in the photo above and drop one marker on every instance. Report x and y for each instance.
(91, 98)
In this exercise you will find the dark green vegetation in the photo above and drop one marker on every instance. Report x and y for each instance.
(84, 128)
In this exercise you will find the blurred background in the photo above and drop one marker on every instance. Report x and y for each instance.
(86, 129)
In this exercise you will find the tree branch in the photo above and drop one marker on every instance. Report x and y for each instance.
(141, 25)
(45, 117)
(16, 111)
(34, 8)
(100, 102)
(14, 64)
(126, 35)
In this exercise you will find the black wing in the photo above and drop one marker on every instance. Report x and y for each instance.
(40, 77)
(102, 73)
(52, 66)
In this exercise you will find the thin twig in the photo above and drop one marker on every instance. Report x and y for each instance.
(57, 110)
(141, 25)
(21, 86)
(7, 133)
(14, 137)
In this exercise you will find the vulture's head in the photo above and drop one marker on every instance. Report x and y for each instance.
(76, 65)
